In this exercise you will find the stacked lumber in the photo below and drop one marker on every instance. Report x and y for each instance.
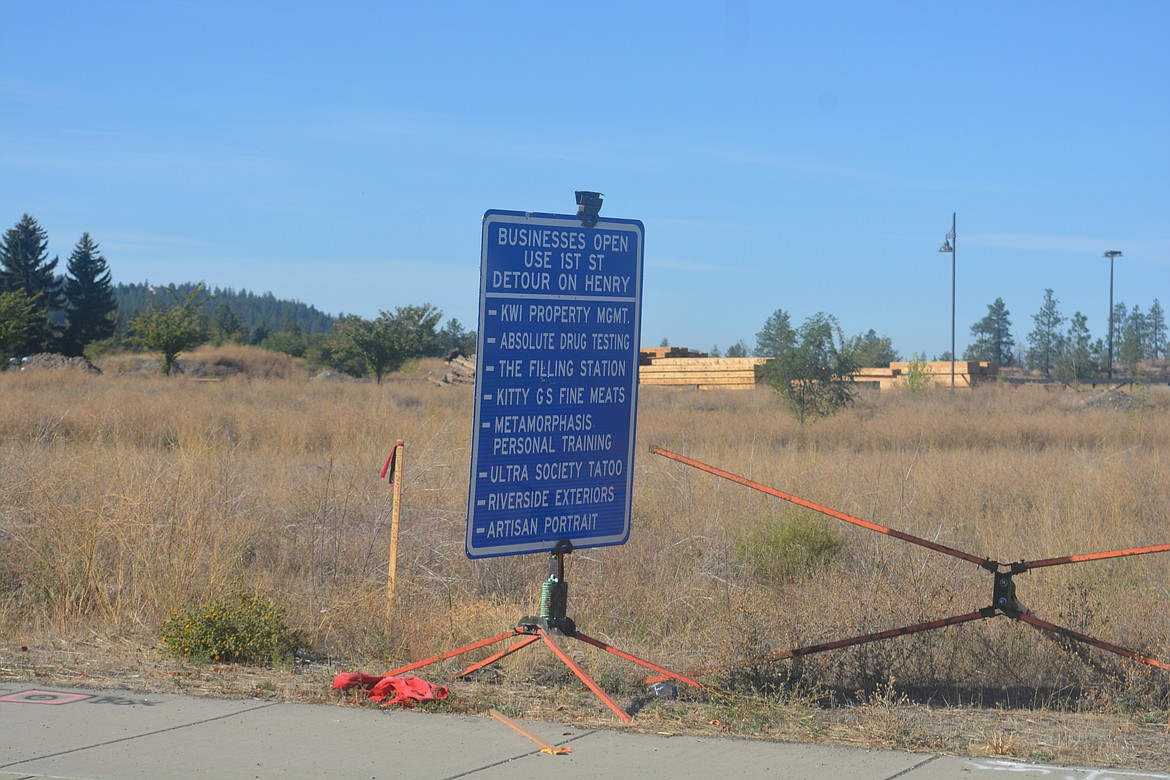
(884, 378)
(705, 373)
(681, 367)
(647, 354)
(968, 373)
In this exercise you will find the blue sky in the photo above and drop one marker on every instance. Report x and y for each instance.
(803, 156)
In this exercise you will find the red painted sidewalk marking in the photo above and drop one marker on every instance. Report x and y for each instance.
(45, 697)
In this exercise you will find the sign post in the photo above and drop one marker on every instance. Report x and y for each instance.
(394, 467)
(556, 383)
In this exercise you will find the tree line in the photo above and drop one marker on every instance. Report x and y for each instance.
(83, 313)
(42, 311)
(1064, 348)
(235, 312)
(811, 366)
(1057, 346)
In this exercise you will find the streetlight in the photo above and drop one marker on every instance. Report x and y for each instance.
(1112, 254)
(949, 246)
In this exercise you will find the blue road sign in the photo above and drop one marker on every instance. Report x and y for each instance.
(556, 383)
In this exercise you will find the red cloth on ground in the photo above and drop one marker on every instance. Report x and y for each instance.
(392, 690)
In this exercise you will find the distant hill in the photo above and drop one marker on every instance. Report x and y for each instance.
(263, 312)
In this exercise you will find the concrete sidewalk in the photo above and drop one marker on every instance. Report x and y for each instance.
(72, 733)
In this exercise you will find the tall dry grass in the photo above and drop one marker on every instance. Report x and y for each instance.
(125, 497)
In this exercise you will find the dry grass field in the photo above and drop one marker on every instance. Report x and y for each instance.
(127, 495)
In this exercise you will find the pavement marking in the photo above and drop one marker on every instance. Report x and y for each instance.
(44, 697)
(910, 769)
(1065, 772)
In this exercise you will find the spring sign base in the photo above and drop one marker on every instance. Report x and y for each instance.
(550, 625)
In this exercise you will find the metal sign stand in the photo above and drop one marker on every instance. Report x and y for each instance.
(550, 623)
(1003, 600)
(556, 390)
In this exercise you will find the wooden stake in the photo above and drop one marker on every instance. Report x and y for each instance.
(395, 514)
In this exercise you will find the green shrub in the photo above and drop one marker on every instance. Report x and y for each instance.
(785, 545)
(918, 374)
(242, 627)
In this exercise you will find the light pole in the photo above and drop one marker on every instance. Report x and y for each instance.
(949, 246)
(1112, 254)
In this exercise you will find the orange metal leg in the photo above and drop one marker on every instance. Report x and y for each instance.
(585, 678)
(1101, 643)
(491, 659)
(623, 654)
(449, 654)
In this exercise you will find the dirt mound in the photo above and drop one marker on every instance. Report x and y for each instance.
(209, 368)
(211, 363)
(332, 376)
(52, 360)
(1116, 399)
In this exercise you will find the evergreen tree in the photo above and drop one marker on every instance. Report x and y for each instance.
(777, 335)
(454, 337)
(256, 313)
(1133, 339)
(225, 326)
(993, 336)
(1076, 359)
(289, 342)
(259, 333)
(871, 349)
(89, 295)
(1156, 320)
(738, 350)
(25, 267)
(18, 318)
(1045, 341)
(1120, 315)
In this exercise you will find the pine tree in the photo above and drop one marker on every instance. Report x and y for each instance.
(1045, 341)
(25, 267)
(870, 349)
(1156, 321)
(18, 318)
(1077, 360)
(453, 337)
(993, 336)
(738, 350)
(1120, 315)
(776, 337)
(1133, 339)
(225, 326)
(89, 296)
